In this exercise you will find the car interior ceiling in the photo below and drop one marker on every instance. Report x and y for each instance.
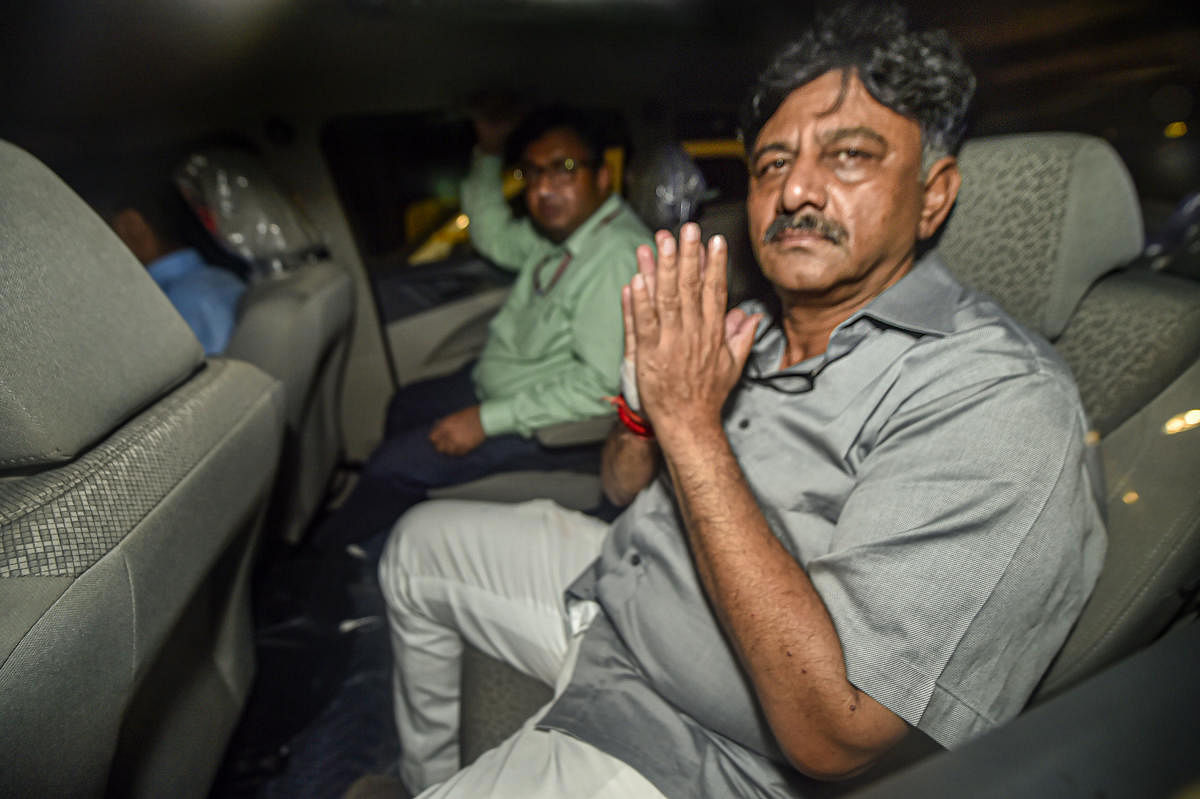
(358, 109)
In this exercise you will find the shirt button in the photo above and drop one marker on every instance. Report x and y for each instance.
(744, 424)
(635, 559)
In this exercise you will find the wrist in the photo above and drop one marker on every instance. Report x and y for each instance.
(634, 423)
(629, 388)
(683, 436)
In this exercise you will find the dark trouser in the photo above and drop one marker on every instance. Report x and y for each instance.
(405, 466)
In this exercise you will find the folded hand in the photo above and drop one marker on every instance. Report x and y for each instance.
(688, 351)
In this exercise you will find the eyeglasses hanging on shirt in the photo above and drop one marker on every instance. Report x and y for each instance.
(539, 285)
(784, 382)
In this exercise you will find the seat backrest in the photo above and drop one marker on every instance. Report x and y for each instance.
(133, 474)
(665, 187)
(1041, 223)
(295, 326)
(248, 214)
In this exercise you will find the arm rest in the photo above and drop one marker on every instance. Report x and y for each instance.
(571, 434)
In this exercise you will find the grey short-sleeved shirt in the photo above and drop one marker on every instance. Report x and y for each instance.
(930, 473)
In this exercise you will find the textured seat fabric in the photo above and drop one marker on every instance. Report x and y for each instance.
(132, 484)
(1133, 334)
(496, 701)
(295, 326)
(1039, 218)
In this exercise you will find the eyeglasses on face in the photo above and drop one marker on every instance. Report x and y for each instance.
(559, 172)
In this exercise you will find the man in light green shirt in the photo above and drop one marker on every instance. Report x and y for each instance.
(553, 351)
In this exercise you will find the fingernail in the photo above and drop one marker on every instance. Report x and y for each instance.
(668, 247)
(691, 232)
(717, 241)
(639, 282)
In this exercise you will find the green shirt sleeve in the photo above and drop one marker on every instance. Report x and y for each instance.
(494, 231)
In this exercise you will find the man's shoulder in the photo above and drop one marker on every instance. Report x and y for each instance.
(219, 279)
(208, 283)
(986, 349)
(609, 251)
(618, 225)
(630, 224)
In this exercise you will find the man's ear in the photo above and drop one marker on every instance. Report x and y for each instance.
(603, 178)
(136, 233)
(941, 188)
(128, 222)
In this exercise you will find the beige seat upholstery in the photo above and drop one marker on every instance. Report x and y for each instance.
(133, 475)
(1042, 222)
(295, 326)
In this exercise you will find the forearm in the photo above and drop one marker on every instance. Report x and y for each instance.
(773, 616)
(493, 229)
(628, 465)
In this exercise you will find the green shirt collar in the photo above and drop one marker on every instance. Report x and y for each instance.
(609, 209)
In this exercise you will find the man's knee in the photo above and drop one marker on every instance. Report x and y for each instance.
(407, 551)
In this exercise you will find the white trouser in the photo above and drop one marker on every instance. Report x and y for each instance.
(494, 575)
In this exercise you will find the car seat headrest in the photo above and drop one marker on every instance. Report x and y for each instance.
(666, 188)
(244, 209)
(1039, 218)
(86, 337)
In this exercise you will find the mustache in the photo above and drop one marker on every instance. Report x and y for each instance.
(806, 220)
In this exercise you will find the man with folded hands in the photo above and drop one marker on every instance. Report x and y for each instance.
(861, 509)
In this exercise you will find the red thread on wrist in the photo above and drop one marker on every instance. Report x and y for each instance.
(637, 425)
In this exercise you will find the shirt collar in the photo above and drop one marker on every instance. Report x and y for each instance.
(923, 301)
(607, 212)
(175, 265)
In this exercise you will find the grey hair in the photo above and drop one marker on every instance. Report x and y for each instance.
(918, 74)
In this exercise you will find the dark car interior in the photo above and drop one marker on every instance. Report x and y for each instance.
(169, 627)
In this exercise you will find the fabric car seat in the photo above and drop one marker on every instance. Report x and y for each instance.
(294, 320)
(133, 478)
(1043, 223)
(295, 325)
